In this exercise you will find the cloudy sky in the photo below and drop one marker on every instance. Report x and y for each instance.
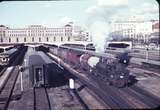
(84, 12)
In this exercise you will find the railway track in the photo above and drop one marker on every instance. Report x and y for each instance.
(80, 100)
(112, 96)
(148, 99)
(1, 68)
(6, 92)
(145, 70)
(143, 96)
(9, 82)
(41, 99)
(109, 98)
(76, 94)
(2, 71)
(137, 94)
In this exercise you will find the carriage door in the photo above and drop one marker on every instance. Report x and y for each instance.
(39, 75)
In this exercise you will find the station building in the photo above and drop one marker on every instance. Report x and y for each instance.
(41, 34)
(136, 30)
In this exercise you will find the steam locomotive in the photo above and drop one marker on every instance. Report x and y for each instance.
(111, 68)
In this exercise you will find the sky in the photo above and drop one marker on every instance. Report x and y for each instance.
(91, 14)
(22, 13)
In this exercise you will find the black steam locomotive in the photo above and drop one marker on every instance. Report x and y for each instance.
(113, 73)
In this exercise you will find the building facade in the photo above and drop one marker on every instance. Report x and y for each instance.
(41, 34)
(155, 35)
(3, 33)
(138, 31)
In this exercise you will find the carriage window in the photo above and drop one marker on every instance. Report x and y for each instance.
(120, 45)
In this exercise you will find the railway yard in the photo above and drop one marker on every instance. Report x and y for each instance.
(39, 80)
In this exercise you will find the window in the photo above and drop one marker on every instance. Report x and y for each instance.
(54, 38)
(47, 39)
(17, 40)
(32, 39)
(68, 38)
(61, 38)
(24, 39)
(1, 39)
(39, 39)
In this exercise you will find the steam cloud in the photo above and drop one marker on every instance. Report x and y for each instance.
(99, 31)
(99, 17)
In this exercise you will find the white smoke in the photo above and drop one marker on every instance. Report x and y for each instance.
(99, 31)
(99, 17)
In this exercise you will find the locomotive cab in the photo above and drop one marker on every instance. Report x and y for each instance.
(124, 58)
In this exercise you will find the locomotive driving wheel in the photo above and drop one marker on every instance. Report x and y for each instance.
(119, 84)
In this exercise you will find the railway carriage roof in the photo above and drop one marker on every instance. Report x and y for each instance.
(8, 52)
(71, 43)
(36, 60)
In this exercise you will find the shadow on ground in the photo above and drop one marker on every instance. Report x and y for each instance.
(133, 80)
(57, 76)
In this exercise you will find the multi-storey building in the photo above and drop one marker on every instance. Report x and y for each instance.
(39, 33)
(136, 30)
(155, 35)
(2, 32)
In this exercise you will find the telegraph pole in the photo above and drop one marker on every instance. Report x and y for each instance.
(21, 77)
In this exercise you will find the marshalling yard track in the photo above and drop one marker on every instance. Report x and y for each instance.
(128, 97)
(8, 80)
(125, 98)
